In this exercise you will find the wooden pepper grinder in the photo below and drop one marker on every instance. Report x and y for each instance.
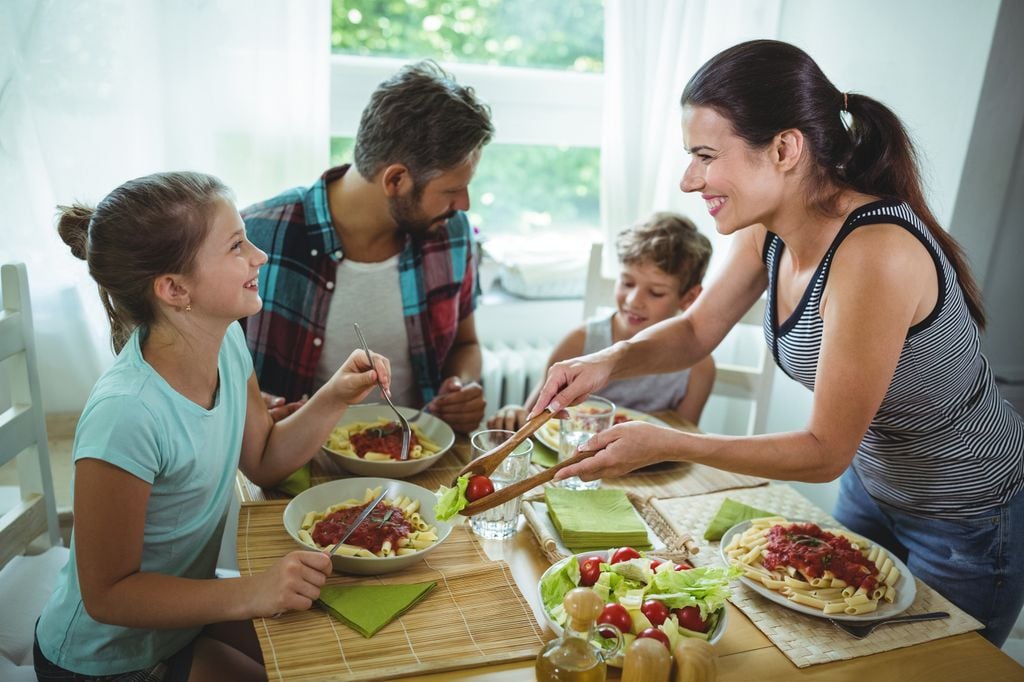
(647, 660)
(695, 661)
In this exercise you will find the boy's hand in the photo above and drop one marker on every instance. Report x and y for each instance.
(356, 377)
(461, 407)
(509, 418)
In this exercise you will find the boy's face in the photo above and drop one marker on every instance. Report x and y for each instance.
(645, 294)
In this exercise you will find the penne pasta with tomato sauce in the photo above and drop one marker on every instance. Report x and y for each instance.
(379, 441)
(833, 570)
(394, 528)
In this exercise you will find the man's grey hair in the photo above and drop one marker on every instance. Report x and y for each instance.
(423, 119)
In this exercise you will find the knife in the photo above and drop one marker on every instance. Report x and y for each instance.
(359, 519)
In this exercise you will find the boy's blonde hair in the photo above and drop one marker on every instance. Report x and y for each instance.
(669, 241)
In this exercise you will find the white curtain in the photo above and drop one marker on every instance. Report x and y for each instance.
(652, 47)
(93, 94)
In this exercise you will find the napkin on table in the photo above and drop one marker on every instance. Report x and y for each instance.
(595, 519)
(728, 515)
(298, 481)
(368, 608)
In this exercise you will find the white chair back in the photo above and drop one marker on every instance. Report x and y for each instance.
(600, 291)
(23, 424)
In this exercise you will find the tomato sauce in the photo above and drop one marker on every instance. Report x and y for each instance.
(621, 418)
(386, 438)
(384, 523)
(813, 551)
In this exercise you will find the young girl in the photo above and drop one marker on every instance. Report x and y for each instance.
(662, 262)
(160, 439)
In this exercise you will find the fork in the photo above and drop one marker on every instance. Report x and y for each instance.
(860, 631)
(406, 429)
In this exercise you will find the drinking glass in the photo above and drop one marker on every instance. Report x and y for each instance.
(502, 521)
(593, 415)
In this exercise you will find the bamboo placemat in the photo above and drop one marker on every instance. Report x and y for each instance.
(678, 479)
(475, 615)
(805, 640)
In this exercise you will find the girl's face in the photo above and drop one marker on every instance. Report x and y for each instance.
(645, 294)
(224, 283)
(739, 185)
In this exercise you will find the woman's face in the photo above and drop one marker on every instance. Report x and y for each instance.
(739, 185)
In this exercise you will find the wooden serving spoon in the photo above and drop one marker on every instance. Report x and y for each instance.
(485, 464)
(510, 492)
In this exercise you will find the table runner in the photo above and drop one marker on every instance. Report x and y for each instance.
(805, 640)
(476, 615)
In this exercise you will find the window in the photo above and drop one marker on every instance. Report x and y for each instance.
(539, 67)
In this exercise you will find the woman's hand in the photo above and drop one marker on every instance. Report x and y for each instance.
(356, 377)
(292, 584)
(626, 447)
(509, 418)
(570, 381)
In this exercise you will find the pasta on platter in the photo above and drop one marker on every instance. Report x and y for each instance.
(833, 570)
(394, 528)
(379, 441)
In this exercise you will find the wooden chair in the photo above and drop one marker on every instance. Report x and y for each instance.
(25, 581)
(750, 382)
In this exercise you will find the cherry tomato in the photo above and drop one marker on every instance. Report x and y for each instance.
(683, 566)
(655, 563)
(624, 554)
(655, 633)
(617, 615)
(590, 570)
(689, 618)
(479, 486)
(655, 611)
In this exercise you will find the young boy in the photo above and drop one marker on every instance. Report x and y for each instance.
(663, 261)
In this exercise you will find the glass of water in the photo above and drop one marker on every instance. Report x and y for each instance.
(502, 521)
(593, 415)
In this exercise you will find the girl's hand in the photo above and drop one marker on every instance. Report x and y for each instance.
(291, 584)
(570, 381)
(509, 418)
(626, 447)
(356, 378)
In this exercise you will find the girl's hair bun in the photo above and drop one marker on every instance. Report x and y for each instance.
(73, 227)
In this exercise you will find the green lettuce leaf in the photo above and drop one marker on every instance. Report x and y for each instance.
(706, 587)
(554, 587)
(450, 501)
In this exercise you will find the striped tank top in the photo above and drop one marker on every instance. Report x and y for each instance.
(943, 443)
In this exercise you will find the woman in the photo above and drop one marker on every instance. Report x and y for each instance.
(870, 305)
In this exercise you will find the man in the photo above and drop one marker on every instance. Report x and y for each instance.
(384, 243)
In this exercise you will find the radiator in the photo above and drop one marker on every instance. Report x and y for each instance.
(511, 370)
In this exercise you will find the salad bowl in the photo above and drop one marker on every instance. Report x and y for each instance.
(558, 579)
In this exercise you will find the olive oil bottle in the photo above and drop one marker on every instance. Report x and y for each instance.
(572, 657)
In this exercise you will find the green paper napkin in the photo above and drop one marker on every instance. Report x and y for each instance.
(298, 481)
(368, 608)
(595, 519)
(729, 514)
(543, 455)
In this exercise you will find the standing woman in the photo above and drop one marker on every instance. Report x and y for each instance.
(871, 305)
(160, 440)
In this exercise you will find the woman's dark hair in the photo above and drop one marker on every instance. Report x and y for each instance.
(765, 86)
(145, 228)
(422, 118)
(669, 241)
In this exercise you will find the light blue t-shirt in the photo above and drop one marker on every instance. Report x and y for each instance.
(137, 422)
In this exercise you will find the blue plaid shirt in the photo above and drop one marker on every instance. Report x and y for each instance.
(436, 275)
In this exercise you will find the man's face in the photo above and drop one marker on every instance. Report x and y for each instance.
(428, 207)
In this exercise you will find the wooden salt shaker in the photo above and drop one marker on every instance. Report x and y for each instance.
(646, 660)
(695, 661)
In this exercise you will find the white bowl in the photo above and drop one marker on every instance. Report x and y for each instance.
(606, 553)
(432, 427)
(320, 497)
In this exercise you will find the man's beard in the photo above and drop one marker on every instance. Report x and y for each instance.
(406, 213)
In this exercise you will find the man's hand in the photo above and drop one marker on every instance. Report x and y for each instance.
(278, 408)
(461, 407)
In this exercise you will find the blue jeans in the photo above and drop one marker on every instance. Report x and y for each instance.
(975, 562)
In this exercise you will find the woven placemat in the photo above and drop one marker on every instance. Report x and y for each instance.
(805, 640)
(444, 631)
(678, 479)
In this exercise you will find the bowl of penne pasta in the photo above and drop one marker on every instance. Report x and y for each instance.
(398, 532)
(367, 441)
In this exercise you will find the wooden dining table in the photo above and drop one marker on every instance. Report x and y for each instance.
(744, 653)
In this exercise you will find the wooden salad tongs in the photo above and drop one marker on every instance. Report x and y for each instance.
(500, 497)
(485, 464)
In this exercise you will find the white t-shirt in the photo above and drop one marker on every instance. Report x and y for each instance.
(368, 294)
